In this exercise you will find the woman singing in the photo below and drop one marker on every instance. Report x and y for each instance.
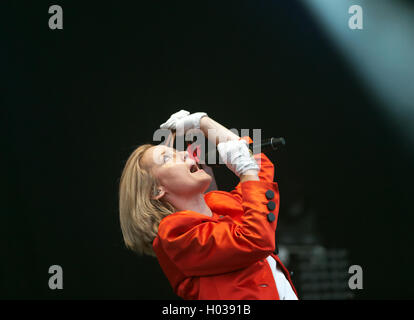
(218, 245)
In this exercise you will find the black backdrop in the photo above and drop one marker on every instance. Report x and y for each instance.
(75, 102)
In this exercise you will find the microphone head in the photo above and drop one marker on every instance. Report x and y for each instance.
(267, 145)
(277, 142)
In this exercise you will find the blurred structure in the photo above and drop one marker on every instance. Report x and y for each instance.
(318, 272)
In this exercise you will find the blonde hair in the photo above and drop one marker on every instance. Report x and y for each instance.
(140, 214)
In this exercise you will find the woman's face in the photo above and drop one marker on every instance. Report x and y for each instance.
(176, 172)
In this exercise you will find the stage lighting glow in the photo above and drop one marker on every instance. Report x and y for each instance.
(381, 54)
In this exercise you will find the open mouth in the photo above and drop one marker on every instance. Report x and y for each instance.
(194, 168)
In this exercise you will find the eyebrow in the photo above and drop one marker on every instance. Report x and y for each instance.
(164, 152)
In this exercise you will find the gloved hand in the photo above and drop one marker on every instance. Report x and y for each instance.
(236, 155)
(183, 120)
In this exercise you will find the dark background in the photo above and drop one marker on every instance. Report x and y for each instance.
(76, 102)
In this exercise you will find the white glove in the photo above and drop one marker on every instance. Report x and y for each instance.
(236, 155)
(183, 120)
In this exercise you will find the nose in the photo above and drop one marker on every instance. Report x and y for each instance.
(185, 156)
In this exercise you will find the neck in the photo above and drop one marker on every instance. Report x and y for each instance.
(196, 203)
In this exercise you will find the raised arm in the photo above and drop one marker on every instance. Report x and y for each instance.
(217, 133)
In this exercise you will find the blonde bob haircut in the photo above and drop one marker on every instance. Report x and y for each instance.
(140, 214)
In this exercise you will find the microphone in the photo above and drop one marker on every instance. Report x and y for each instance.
(270, 144)
(267, 145)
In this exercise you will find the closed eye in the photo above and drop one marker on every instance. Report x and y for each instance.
(167, 155)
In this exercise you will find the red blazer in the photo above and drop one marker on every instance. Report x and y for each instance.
(224, 256)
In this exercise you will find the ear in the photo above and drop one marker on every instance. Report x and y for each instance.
(159, 193)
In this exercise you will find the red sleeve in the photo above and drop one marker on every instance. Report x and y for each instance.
(199, 245)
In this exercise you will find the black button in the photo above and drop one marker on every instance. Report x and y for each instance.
(271, 217)
(271, 205)
(269, 194)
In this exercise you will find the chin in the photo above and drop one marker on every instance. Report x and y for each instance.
(207, 182)
(190, 185)
(202, 183)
